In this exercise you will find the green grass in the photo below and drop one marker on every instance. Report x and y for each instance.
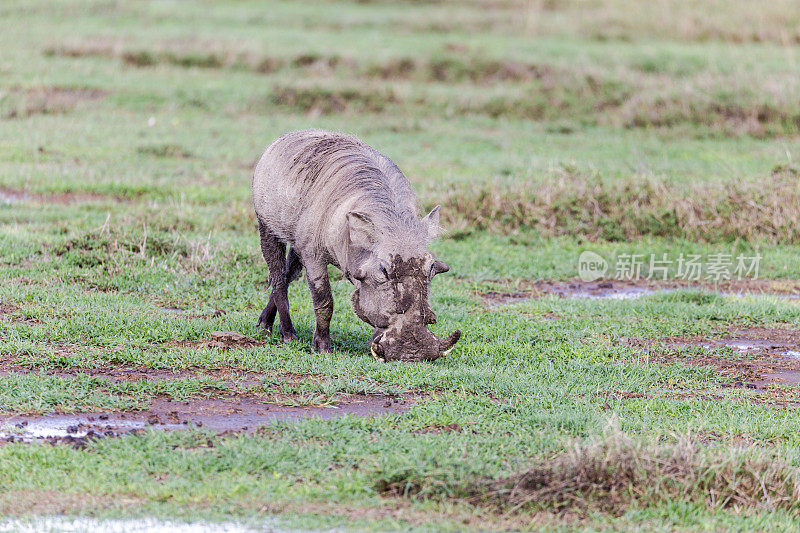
(128, 133)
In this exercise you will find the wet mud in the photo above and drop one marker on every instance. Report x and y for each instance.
(236, 399)
(627, 290)
(223, 415)
(763, 360)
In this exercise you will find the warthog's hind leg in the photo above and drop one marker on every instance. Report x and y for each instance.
(291, 272)
(274, 252)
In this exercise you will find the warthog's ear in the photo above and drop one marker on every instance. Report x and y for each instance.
(361, 230)
(431, 221)
(439, 267)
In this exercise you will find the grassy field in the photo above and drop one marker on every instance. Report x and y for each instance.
(545, 128)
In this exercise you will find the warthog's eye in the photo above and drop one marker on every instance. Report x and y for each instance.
(359, 274)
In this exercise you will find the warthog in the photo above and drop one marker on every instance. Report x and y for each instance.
(334, 200)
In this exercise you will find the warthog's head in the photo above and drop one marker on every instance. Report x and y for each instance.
(392, 270)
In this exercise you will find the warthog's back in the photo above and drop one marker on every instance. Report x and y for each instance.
(307, 181)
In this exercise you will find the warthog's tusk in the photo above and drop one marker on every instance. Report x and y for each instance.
(375, 355)
(451, 342)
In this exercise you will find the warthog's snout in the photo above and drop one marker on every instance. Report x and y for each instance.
(418, 344)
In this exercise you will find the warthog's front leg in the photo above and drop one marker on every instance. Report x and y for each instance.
(317, 275)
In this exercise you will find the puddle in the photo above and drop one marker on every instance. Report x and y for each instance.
(65, 524)
(768, 356)
(224, 414)
(623, 293)
(630, 290)
(604, 290)
(788, 377)
(746, 346)
(70, 428)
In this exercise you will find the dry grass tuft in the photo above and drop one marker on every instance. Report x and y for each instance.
(165, 150)
(451, 67)
(619, 472)
(21, 103)
(737, 21)
(319, 100)
(576, 204)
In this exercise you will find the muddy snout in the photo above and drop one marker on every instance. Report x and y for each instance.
(418, 344)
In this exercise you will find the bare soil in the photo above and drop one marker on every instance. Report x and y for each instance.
(276, 387)
(761, 355)
(243, 401)
(764, 363)
(630, 289)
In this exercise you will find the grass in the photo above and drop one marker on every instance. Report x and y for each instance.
(613, 473)
(544, 129)
(630, 209)
(616, 473)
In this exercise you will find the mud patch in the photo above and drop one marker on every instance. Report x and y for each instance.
(231, 378)
(628, 290)
(222, 415)
(21, 103)
(499, 299)
(762, 357)
(607, 290)
(443, 67)
(604, 290)
(277, 385)
(9, 197)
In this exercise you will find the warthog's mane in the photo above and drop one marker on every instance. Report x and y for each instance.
(334, 169)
